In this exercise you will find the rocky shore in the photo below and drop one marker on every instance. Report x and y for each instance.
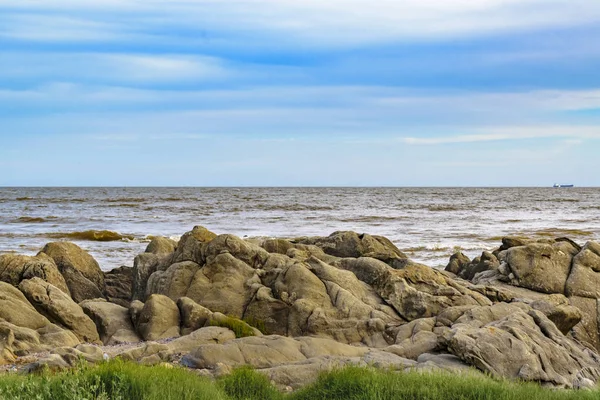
(292, 308)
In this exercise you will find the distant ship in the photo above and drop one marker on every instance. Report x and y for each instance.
(556, 185)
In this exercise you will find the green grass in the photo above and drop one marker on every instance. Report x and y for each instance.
(115, 380)
(119, 380)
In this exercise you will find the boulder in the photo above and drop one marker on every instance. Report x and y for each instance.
(251, 254)
(486, 262)
(348, 244)
(193, 315)
(144, 265)
(159, 319)
(67, 254)
(161, 246)
(584, 279)
(135, 309)
(517, 342)
(175, 281)
(17, 310)
(416, 291)
(220, 285)
(59, 308)
(15, 267)
(80, 287)
(416, 338)
(119, 285)
(458, 261)
(267, 351)
(191, 245)
(112, 321)
(541, 267)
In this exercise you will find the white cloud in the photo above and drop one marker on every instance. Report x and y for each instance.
(573, 134)
(111, 67)
(340, 22)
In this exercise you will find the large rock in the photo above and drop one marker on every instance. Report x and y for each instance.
(193, 315)
(175, 281)
(584, 279)
(17, 310)
(541, 267)
(348, 244)
(112, 321)
(458, 262)
(15, 267)
(267, 351)
(119, 285)
(416, 291)
(159, 319)
(67, 254)
(81, 288)
(191, 245)
(23, 329)
(517, 342)
(144, 265)
(161, 246)
(58, 307)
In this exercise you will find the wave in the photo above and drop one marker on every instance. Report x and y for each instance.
(556, 232)
(33, 220)
(442, 207)
(372, 218)
(92, 235)
(127, 200)
(24, 198)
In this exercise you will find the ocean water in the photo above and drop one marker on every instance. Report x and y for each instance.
(429, 224)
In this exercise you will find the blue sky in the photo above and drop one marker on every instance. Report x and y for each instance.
(288, 92)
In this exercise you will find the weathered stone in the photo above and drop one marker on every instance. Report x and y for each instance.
(67, 254)
(458, 261)
(144, 265)
(347, 244)
(17, 310)
(584, 279)
(520, 343)
(14, 268)
(416, 291)
(119, 285)
(541, 267)
(193, 315)
(112, 322)
(59, 308)
(159, 319)
(80, 287)
(161, 245)
(587, 331)
(175, 281)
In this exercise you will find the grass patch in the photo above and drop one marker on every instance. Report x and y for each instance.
(115, 380)
(119, 380)
(245, 384)
(239, 327)
(357, 383)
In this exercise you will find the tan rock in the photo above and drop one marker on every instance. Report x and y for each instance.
(14, 268)
(159, 319)
(67, 254)
(59, 308)
(112, 322)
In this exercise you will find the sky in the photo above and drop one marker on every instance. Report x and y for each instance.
(299, 93)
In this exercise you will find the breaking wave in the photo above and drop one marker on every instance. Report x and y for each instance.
(92, 235)
(33, 220)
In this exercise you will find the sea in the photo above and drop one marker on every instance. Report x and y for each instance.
(428, 224)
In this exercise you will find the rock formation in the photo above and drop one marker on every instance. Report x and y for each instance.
(294, 307)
